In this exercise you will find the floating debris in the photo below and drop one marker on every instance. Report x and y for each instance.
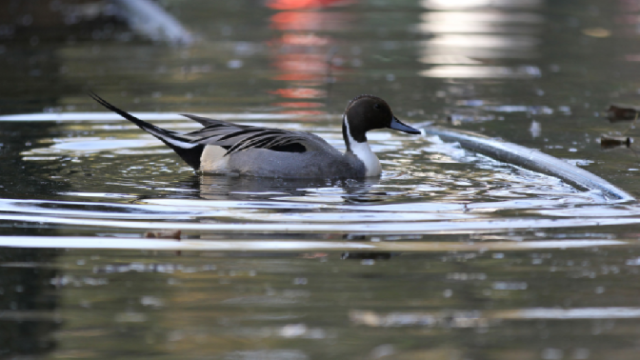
(610, 142)
(597, 32)
(618, 112)
(163, 234)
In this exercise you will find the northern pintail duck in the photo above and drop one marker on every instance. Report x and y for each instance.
(222, 147)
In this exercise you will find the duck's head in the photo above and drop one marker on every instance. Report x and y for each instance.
(368, 112)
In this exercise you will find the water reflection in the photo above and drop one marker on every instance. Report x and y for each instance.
(297, 305)
(470, 37)
(482, 72)
(309, 190)
(305, 4)
(474, 4)
(28, 300)
(302, 54)
(472, 319)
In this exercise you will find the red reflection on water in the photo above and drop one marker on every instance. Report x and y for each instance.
(307, 64)
(302, 40)
(299, 93)
(305, 4)
(629, 19)
(311, 21)
(297, 77)
(299, 55)
(629, 6)
(299, 104)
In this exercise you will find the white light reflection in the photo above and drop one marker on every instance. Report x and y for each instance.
(476, 318)
(489, 18)
(461, 71)
(106, 116)
(578, 313)
(448, 59)
(447, 227)
(469, 4)
(476, 32)
(478, 22)
(98, 242)
(482, 41)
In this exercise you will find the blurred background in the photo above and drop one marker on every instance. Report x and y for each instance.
(426, 56)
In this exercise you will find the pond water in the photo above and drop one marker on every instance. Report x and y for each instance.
(450, 255)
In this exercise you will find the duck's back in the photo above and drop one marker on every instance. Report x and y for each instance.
(318, 160)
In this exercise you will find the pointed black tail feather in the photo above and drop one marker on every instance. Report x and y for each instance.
(189, 151)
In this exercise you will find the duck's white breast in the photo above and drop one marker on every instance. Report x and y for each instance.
(363, 151)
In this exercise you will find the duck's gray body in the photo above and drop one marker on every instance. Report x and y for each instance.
(323, 162)
(225, 148)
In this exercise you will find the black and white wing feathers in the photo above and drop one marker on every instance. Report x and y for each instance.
(235, 138)
(232, 137)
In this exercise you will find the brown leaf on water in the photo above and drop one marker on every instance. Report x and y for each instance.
(163, 234)
(597, 32)
(618, 112)
(609, 142)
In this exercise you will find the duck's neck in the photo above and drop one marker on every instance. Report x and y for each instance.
(361, 150)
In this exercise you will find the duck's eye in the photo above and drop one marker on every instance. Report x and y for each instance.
(377, 106)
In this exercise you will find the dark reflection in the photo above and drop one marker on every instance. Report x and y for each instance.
(367, 256)
(617, 112)
(364, 255)
(20, 179)
(214, 187)
(27, 301)
(32, 35)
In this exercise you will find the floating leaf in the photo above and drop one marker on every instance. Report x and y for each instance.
(609, 142)
(597, 32)
(618, 112)
(163, 234)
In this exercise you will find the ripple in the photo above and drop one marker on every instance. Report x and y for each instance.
(88, 242)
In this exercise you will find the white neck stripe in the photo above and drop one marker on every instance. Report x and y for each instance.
(363, 152)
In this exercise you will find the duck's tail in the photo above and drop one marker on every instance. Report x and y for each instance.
(187, 149)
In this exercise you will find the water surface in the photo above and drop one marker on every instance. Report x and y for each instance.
(449, 255)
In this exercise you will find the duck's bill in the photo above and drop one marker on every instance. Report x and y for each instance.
(398, 125)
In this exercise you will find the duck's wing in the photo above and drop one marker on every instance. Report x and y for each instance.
(232, 137)
(235, 138)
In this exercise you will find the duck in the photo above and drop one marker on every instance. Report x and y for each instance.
(225, 148)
